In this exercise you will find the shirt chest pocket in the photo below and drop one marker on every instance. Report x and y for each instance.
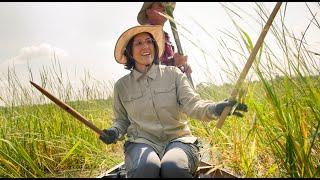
(166, 96)
(133, 103)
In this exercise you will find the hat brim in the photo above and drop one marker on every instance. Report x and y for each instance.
(155, 30)
(142, 15)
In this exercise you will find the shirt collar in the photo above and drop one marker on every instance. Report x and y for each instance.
(152, 73)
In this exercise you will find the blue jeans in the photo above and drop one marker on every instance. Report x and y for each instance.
(179, 160)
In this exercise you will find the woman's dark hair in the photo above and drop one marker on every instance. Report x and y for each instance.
(128, 53)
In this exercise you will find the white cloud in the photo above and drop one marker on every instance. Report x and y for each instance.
(33, 52)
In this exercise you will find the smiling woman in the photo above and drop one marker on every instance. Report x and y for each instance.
(151, 105)
(143, 51)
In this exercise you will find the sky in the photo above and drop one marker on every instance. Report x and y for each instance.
(82, 35)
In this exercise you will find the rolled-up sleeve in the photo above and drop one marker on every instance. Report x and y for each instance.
(189, 100)
(120, 120)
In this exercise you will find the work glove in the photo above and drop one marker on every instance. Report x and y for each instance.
(111, 135)
(216, 109)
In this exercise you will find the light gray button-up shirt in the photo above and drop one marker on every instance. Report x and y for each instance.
(151, 108)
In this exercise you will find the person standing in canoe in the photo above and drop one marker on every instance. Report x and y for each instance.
(149, 14)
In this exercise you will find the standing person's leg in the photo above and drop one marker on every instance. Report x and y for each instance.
(180, 160)
(141, 161)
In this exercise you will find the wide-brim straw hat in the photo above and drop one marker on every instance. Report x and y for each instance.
(155, 30)
(142, 16)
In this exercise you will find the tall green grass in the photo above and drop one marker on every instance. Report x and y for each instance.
(38, 139)
(280, 137)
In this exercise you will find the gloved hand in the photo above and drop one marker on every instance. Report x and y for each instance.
(111, 135)
(217, 108)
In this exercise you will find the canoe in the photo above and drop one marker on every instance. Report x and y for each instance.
(205, 170)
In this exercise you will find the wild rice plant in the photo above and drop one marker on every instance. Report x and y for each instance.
(279, 136)
(38, 139)
(286, 120)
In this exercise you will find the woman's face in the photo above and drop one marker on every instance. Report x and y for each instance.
(143, 51)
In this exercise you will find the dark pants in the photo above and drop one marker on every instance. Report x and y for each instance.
(179, 160)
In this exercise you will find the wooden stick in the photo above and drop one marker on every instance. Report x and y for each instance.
(69, 109)
(169, 10)
(248, 64)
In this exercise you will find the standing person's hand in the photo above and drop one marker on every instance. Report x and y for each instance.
(180, 60)
(111, 136)
(217, 108)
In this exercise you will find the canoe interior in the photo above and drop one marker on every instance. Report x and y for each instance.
(205, 170)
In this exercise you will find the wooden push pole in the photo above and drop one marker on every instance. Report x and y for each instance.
(69, 109)
(169, 11)
(248, 64)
